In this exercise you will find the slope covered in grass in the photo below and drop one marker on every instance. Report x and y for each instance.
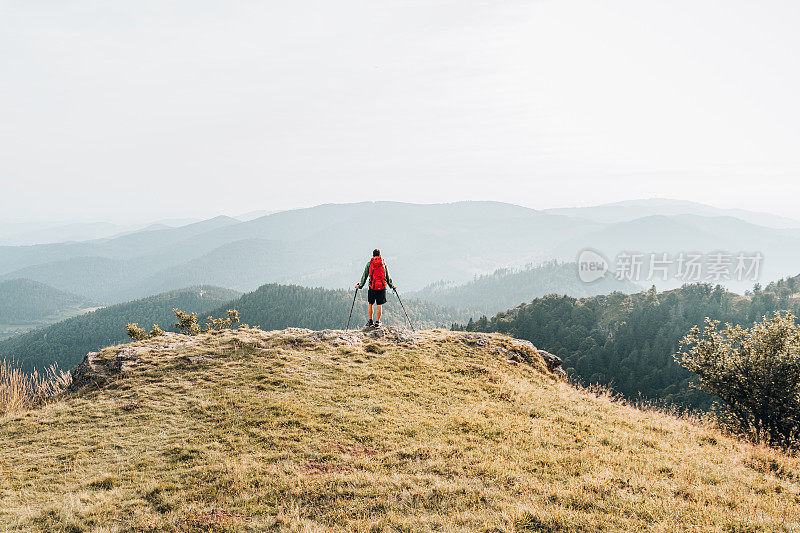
(331, 431)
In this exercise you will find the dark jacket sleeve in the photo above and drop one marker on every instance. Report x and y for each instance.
(364, 277)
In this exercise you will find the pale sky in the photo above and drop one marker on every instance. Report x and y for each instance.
(129, 111)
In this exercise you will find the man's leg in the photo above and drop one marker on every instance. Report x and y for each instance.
(370, 312)
(379, 313)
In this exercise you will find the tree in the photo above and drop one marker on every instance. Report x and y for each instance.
(755, 372)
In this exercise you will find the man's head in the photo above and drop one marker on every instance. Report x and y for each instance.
(376, 252)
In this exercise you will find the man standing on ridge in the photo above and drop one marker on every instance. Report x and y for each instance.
(378, 280)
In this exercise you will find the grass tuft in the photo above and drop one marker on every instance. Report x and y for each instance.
(21, 391)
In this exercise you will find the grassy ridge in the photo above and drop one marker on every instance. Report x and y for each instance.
(246, 431)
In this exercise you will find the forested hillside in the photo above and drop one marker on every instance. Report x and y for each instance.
(24, 300)
(276, 306)
(66, 342)
(627, 341)
(26, 304)
(508, 288)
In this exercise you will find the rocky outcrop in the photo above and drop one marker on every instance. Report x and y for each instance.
(339, 337)
(553, 363)
(96, 370)
(99, 368)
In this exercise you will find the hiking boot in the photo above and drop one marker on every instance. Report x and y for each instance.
(369, 323)
(377, 323)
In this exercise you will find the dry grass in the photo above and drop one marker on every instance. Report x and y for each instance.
(262, 434)
(20, 391)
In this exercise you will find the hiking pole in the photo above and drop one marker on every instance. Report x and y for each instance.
(351, 308)
(404, 309)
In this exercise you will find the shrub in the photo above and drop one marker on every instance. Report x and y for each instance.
(216, 324)
(755, 372)
(138, 334)
(135, 332)
(187, 323)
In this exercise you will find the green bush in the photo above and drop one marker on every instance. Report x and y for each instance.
(139, 334)
(217, 324)
(755, 372)
(135, 332)
(187, 323)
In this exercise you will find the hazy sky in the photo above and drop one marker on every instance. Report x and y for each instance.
(126, 111)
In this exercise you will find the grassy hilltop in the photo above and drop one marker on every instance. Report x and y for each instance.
(348, 431)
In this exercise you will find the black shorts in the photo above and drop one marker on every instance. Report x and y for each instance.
(375, 296)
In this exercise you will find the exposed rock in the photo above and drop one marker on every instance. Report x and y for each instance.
(353, 337)
(93, 370)
(477, 339)
(393, 334)
(552, 361)
(99, 368)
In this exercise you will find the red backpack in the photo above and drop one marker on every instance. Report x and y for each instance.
(377, 276)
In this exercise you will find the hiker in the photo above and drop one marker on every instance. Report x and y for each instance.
(378, 279)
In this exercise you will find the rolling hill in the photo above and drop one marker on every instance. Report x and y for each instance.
(299, 430)
(153, 242)
(507, 288)
(30, 233)
(325, 245)
(675, 234)
(27, 304)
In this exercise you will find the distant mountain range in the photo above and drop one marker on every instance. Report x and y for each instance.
(328, 246)
(32, 233)
(633, 209)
